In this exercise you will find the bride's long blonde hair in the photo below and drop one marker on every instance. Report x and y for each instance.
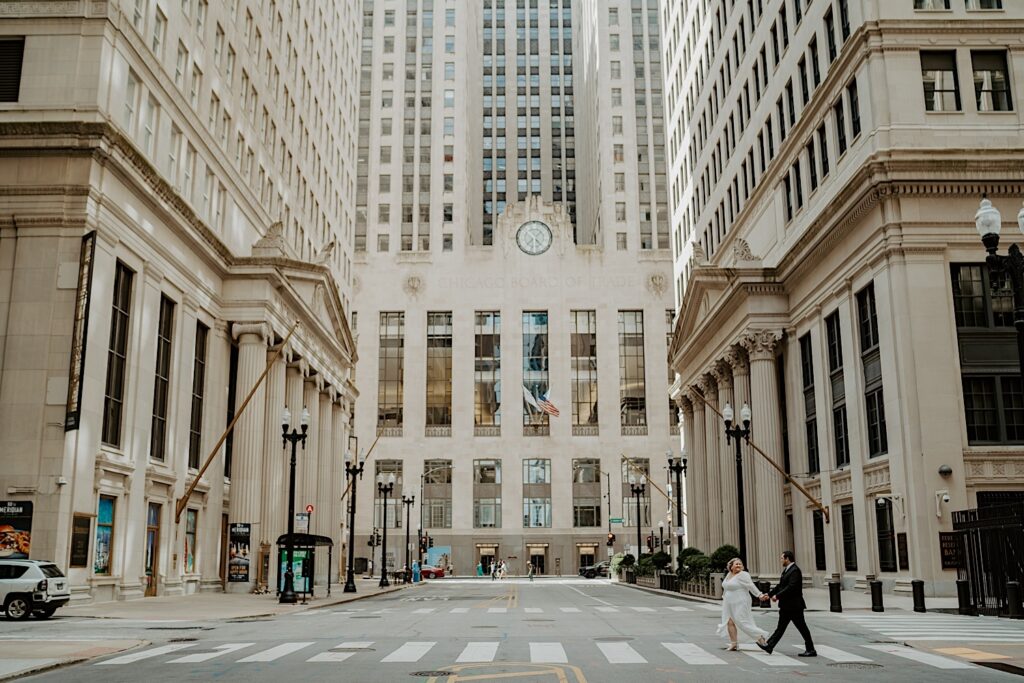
(730, 563)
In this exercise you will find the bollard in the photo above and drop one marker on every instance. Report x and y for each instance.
(876, 596)
(963, 597)
(1013, 601)
(835, 600)
(917, 586)
(764, 587)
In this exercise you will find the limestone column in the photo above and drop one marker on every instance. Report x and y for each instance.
(697, 471)
(686, 408)
(309, 463)
(770, 521)
(275, 486)
(328, 452)
(736, 358)
(712, 467)
(246, 466)
(727, 458)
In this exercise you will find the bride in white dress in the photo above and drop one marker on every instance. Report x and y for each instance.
(736, 604)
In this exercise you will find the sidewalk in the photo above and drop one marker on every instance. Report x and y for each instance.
(23, 657)
(212, 606)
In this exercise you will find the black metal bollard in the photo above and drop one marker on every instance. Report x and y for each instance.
(918, 587)
(835, 600)
(1014, 609)
(963, 597)
(876, 596)
(764, 587)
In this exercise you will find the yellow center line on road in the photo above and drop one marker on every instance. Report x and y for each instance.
(559, 672)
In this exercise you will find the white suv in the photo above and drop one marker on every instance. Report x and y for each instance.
(32, 587)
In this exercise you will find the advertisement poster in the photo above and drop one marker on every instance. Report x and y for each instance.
(81, 525)
(15, 529)
(238, 552)
(302, 581)
(439, 556)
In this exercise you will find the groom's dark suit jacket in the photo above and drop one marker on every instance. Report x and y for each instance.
(790, 590)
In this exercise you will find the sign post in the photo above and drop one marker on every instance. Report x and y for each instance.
(309, 519)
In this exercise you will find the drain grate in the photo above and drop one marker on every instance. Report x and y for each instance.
(855, 665)
(182, 640)
(432, 674)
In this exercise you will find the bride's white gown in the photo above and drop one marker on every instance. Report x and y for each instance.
(737, 589)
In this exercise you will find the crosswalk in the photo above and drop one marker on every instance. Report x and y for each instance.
(941, 627)
(614, 651)
(490, 609)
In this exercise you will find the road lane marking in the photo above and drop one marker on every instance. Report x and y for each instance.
(711, 608)
(146, 654)
(770, 659)
(548, 653)
(835, 654)
(620, 653)
(642, 609)
(423, 610)
(571, 610)
(409, 652)
(207, 656)
(478, 652)
(970, 653)
(275, 652)
(918, 656)
(607, 609)
(533, 610)
(497, 610)
(459, 610)
(331, 657)
(590, 597)
(680, 609)
(692, 654)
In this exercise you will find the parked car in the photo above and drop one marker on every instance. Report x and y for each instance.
(30, 587)
(428, 571)
(599, 569)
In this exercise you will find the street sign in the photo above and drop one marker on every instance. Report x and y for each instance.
(680, 531)
(615, 520)
(309, 509)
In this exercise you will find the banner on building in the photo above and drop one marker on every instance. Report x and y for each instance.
(81, 526)
(439, 556)
(15, 529)
(238, 560)
(79, 330)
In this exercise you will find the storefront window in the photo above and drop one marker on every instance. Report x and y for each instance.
(191, 522)
(104, 535)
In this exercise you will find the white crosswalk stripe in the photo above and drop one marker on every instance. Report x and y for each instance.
(424, 610)
(146, 654)
(547, 653)
(620, 653)
(692, 654)
(478, 652)
(497, 610)
(571, 610)
(607, 609)
(332, 656)
(919, 656)
(459, 610)
(710, 608)
(534, 610)
(680, 609)
(775, 659)
(642, 609)
(218, 651)
(835, 654)
(941, 627)
(409, 652)
(275, 652)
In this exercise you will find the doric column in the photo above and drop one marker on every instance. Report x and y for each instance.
(737, 358)
(697, 471)
(275, 468)
(712, 466)
(726, 457)
(686, 408)
(766, 432)
(325, 473)
(309, 465)
(246, 465)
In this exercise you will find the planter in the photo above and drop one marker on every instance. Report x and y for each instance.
(710, 587)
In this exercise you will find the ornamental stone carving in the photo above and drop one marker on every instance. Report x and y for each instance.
(657, 283)
(413, 285)
(260, 329)
(707, 385)
(741, 251)
(722, 373)
(737, 359)
(760, 344)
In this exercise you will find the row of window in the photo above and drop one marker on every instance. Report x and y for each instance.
(487, 370)
(104, 538)
(941, 80)
(893, 554)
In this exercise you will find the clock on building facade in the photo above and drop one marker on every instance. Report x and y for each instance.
(534, 237)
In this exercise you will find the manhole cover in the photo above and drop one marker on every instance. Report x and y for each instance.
(855, 665)
(431, 674)
(612, 639)
(182, 640)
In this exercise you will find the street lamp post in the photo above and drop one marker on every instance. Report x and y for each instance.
(637, 490)
(407, 502)
(293, 437)
(352, 470)
(384, 489)
(661, 535)
(678, 467)
(989, 222)
(737, 434)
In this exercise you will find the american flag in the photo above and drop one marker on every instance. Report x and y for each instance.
(547, 406)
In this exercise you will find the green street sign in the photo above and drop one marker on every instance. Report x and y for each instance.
(616, 520)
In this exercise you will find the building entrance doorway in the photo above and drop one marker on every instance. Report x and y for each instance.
(152, 550)
(588, 556)
(537, 557)
(486, 555)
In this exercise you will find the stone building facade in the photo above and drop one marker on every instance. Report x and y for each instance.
(827, 161)
(176, 193)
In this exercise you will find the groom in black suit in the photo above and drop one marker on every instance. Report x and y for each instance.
(789, 593)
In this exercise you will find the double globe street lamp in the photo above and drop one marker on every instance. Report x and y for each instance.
(737, 434)
(385, 488)
(294, 437)
(678, 467)
(637, 490)
(352, 470)
(407, 501)
(989, 222)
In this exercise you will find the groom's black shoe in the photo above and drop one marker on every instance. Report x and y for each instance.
(808, 653)
(766, 648)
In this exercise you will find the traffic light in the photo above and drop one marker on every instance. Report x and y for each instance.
(611, 540)
(430, 541)
(650, 542)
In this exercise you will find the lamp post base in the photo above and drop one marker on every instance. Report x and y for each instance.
(350, 583)
(288, 596)
(384, 583)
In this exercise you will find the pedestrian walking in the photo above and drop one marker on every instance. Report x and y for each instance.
(736, 605)
(530, 570)
(494, 570)
(789, 593)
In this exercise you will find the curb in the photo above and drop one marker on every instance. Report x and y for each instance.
(668, 594)
(71, 661)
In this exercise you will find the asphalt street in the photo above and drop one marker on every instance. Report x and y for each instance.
(569, 631)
